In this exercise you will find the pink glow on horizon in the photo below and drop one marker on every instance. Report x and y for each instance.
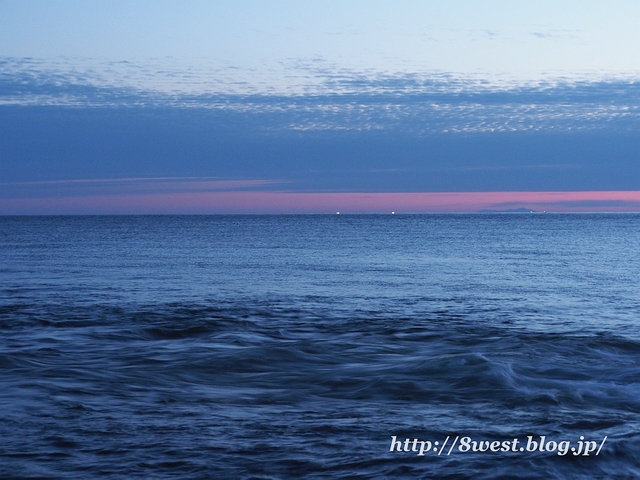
(297, 202)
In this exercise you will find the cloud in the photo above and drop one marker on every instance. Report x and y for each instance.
(129, 186)
(550, 33)
(317, 96)
(296, 202)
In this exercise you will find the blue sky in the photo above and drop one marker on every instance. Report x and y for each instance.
(105, 98)
(524, 39)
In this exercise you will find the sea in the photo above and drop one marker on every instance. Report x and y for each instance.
(444, 346)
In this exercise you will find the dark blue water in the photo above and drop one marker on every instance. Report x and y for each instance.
(298, 346)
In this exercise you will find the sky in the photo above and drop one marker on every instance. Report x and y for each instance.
(319, 106)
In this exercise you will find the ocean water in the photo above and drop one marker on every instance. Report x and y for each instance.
(320, 346)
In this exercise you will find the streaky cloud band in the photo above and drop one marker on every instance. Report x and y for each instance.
(279, 202)
(132, 186)
(311, 97)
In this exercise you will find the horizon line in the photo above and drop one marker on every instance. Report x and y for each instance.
(287, 202)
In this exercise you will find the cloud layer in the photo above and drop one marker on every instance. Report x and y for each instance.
(325, 203)
(81, 133)
(318, 97)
